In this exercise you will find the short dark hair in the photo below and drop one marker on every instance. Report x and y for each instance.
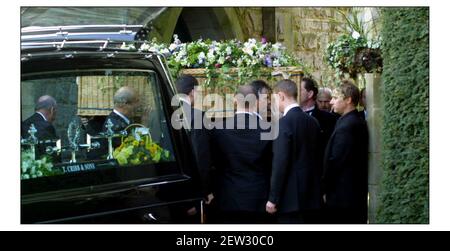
(186, 83)
(246, 90)
(311, 85)
(287, 86)
(348, 89)
(260, 85)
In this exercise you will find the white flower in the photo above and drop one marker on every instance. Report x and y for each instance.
(165, 51)
(248, 50)
(201, 57)
(145, 47)
(210, 54)
(355, 35)
(221, 60)
(228, 50)
(276, 63)
(172, 47)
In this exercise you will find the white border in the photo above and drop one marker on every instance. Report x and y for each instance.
(439, 140)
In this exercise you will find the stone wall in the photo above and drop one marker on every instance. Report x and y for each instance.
(304, 31)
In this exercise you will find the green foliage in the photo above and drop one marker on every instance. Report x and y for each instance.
(404, 196)
(34, 168)
(341, 53)
(358, 50)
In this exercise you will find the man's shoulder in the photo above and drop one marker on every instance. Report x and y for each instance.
(37, 120)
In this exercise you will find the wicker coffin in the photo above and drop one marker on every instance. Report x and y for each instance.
(95, 93)
(270, 75)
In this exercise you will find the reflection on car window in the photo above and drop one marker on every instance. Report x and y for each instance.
(82, 122)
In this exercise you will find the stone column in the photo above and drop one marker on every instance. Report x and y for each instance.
(374, 123)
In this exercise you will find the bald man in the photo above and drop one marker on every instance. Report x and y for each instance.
(42, 119)
(126, 102)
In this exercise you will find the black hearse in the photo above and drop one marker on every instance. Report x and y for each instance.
(63, 180)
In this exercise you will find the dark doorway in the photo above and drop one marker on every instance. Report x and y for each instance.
(206, 23)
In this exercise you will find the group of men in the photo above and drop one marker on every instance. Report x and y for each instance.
(314, 171)
(126, 101)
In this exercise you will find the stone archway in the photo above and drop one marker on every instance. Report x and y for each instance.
(192, 23)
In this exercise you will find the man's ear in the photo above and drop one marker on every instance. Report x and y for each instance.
(310, 94)
(348, 100)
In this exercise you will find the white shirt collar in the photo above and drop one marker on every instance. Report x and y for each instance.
(289, 107)
(122, 116)
(185, 100)
(42, 115)
(309, 109)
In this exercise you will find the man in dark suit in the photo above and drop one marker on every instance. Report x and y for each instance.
(295, 186)
(345, 176)
(327, 121)
(126, 102)
(42, 119)
(243, 163)
(191, 120)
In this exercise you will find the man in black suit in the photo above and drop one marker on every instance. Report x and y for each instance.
(191, 120)
(327, 121)
(126, 102)
(345, 176)
(243, 163)
(295, 186)
(187, 90)
(42, 119)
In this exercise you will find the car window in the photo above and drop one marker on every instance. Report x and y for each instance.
(96, 124)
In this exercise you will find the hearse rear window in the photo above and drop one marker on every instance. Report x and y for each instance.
(78, 123)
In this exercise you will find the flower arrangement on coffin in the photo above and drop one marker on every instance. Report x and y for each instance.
(225, 62)
(138, 148)
(35, 168)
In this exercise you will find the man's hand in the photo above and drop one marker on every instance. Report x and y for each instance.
(209, 198)
(271, 208)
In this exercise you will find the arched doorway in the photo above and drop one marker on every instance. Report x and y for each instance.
(207, 23)
(192, 23)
